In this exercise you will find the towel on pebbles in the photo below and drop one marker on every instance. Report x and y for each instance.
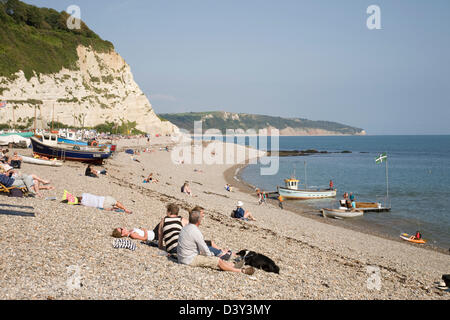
(124, 244)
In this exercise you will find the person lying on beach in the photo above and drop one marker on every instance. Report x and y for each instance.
(136, 233)
(242, 214)
(90, 172)
(193, 251)
(90, 200)
(169, 229)
(229, 188)
(150, 179)
(32, 182)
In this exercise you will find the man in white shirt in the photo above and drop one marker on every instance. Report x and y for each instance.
(192, 249)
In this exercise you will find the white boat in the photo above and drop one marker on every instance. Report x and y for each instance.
(53, 163)
(341, 213)
(291, 191)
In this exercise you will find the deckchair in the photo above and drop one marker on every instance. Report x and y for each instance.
(7, 190)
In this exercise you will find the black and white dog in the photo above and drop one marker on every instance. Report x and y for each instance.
(259, 261)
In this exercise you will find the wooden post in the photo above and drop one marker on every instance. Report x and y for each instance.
(34, 119)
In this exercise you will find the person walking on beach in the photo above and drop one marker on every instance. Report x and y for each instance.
(280, 201)
(193, 251)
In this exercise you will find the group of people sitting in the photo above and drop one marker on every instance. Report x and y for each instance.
(349, 201)
(262, 196)
(15, 161)
(182, 239)
(11, 177)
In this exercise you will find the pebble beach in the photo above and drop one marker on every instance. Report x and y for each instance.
(57, 251)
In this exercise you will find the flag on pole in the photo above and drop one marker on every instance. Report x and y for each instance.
(382, 157)
(2, 104)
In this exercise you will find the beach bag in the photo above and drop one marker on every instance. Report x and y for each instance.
(16, 193)
(16, 164)
(233, 214)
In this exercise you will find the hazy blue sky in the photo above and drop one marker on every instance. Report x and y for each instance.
(313, 59)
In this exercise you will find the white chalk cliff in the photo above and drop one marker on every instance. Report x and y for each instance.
(102, 89)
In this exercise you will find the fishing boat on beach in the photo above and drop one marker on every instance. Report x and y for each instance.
(341, 213)
(47, 145)
(291, 190)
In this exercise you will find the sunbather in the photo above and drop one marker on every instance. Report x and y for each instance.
(91, 172)
(240, 213)
(102, 202)
(150, 179)
(136, 233)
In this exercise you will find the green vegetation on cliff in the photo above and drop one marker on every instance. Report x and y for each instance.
(222, 121)
(38, 40)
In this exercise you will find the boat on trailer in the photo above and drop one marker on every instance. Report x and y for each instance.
(47, 145)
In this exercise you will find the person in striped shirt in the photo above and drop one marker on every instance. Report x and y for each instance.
(169, 229)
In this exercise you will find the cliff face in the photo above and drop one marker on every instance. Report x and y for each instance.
(287, 126)
(101, 90)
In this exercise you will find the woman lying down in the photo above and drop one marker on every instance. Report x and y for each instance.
(150, 236)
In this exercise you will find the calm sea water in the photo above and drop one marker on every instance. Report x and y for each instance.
(419, 179)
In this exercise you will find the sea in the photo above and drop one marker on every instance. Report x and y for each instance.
(417, 180)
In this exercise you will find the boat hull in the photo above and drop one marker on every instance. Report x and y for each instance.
(341, 214)
(306, 194)
(41, 162)
(67, 153)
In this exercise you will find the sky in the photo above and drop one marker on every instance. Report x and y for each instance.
(313, 59)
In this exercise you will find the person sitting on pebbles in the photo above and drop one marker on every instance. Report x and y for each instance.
(242, 214)
(186, 189)
(193, 251)
(91, 172)
(90, 200)
(150, 178)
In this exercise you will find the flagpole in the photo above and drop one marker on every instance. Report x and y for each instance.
(387, 180)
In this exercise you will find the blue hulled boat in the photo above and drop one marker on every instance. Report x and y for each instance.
(47, 145)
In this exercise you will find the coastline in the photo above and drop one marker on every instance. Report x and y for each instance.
(310, 212)
(317, 260)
